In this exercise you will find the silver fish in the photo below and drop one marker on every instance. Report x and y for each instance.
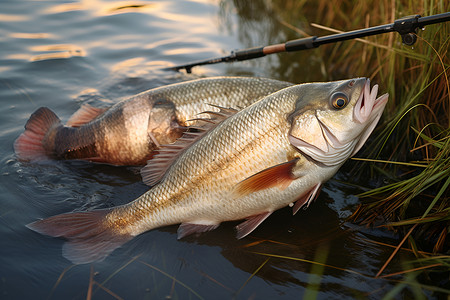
(276, 152)
(129, 132)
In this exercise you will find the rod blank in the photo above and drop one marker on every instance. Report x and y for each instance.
(406, 27)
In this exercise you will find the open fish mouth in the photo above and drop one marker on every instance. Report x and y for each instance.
(366, 113)
(368, 103)
(368, 109)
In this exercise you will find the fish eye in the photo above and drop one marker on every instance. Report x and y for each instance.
(339, 100)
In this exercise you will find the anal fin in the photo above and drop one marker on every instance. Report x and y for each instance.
(246, 227)
(186, 229)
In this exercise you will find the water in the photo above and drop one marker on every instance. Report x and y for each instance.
(63, 54)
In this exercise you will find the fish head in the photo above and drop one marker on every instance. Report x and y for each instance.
(331, 121)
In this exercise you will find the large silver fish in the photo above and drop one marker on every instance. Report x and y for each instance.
(128, 132)
(274, 153)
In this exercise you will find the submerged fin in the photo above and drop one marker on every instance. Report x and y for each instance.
(88, 236)
(84, 115)
(167, 154)
(28, 145)
(245, 228)
(280, 175)
(307, 198)
(186, 229)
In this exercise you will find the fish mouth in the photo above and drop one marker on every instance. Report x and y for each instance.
(368, 109)
(366, 112)
(368, 103)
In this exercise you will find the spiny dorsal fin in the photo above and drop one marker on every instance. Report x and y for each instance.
(167, 154)
(219, 116)
(84, 115)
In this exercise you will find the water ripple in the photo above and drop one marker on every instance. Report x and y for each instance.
(102, 8)
(57, 52)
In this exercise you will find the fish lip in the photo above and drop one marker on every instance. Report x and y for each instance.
(377, 111)
(381, 101)
(368, 103)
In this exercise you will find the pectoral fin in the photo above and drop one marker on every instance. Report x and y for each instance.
(306, 198)
(245, 228)
(280, 175)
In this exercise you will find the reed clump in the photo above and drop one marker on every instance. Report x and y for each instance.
(415, 130)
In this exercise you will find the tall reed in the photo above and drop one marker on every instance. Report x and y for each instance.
(416, 127)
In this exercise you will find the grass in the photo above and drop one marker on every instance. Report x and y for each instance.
(406, 278)
(412, 144)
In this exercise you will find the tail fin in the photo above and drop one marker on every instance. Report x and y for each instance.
(89, 237)
(29, 146)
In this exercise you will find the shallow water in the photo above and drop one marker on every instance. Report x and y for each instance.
(62, 54)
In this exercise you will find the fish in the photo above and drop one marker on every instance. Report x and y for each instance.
(235, 165)
(130, 131)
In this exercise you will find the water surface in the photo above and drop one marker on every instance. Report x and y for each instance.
(63, 54)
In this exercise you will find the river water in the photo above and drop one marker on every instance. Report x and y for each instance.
(61, 54)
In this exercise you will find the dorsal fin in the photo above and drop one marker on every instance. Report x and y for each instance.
(84, 115)
(167, 154)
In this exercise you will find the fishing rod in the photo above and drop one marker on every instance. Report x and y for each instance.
(407, 28)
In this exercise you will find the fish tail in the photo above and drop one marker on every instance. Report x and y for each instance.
(29, 145)
(90, 236)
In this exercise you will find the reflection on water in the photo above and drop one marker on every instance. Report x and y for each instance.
(62, 55)
(57, 51)
(26, 35)
(100, 7)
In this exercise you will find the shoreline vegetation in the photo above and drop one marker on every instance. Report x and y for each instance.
(406, 162)
(411, 145)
